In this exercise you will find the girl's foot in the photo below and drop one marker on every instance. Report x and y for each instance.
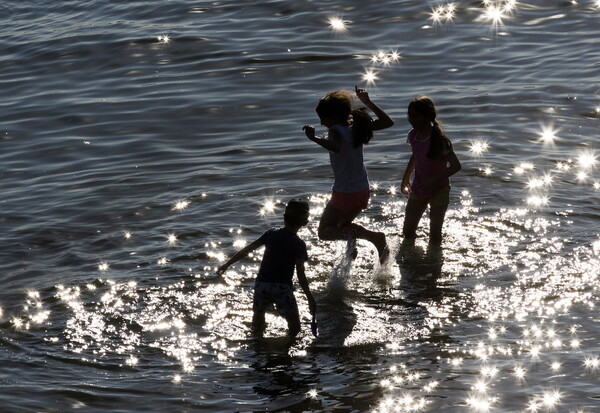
(382, 247)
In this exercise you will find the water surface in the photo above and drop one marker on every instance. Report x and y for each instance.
(144, 142)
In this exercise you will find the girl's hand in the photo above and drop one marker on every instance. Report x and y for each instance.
(405, 187)
(362, 94)
(309, 130)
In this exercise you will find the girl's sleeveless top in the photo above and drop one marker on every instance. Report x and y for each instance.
(425, 166)
(350, 174)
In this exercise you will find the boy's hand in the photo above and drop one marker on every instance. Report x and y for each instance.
(221, 270)
(309, 130)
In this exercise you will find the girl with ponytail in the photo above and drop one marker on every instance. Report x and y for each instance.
(348, 131)
(433, 161)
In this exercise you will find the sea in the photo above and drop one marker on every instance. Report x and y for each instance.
(144, 142)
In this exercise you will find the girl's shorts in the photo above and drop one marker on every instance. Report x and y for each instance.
(282, 295)
(440, 198)
(356, 201)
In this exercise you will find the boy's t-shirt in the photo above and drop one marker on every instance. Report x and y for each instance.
(282, 249)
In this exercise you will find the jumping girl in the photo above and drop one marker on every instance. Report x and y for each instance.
(348, 131)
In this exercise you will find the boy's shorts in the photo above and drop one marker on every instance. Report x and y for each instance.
(282, 295)
(440, 198)
(356, 201)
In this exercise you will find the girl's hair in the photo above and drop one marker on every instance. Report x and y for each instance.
(338, 105)
(438, 140)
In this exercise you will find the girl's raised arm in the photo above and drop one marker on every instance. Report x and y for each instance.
(383, 120)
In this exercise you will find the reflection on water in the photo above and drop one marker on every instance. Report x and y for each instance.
(337, 24)
(495, 13)
(530, 315)
(519, 294)
(503, 318)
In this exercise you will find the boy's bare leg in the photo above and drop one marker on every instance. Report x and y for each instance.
(293, 325)
(258, 324)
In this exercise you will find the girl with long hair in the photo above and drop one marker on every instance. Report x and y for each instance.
(349, 130)
(433, 161)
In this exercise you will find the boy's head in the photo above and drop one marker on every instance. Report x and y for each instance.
(296, 212)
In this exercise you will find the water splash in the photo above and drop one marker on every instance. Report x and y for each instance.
(341, 273)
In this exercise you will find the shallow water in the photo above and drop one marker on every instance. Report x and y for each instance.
(144, 142)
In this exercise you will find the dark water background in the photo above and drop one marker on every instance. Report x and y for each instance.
(143, 142)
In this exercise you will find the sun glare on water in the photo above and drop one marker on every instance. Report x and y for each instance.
(337, 24)
(548, 134)
(163, 38)
(268, 207)
(443, 13)
(478, 147)
(370, 76)
(587, 160)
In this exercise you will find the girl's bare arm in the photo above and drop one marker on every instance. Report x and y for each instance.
(328, 144)
(405, 188)
(383, 120)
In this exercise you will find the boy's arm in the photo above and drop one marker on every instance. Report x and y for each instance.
(312, 304)
(239, 255)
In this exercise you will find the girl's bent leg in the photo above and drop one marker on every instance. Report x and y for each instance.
(337, 225)
(375, 238)
(436, 222)
(412, 217)
(333, 223)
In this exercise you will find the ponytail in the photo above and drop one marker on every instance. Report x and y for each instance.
(362, 127)
(437, 141)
